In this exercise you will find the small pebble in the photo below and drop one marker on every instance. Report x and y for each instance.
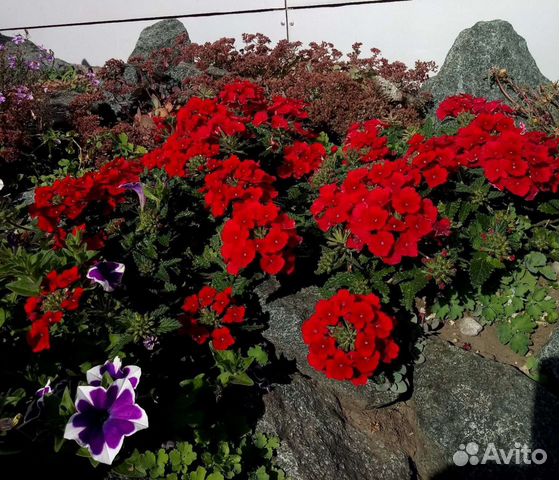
(469, 326)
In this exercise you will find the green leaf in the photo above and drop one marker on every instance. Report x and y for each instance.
(411, 288)
(58, 442)
(548, 273)
(175, 459)
(551, 207)
(168, 325)
(504, 332)
(261, 474)
(523, 324)
(520, 343)
(188, 455)
(148, 460)
(215, 476)
(25, 287)
(242, 379)
(66, 407)
(199, 474)
(259, 355)
(480, 269)
(534, 261)
(539, 295)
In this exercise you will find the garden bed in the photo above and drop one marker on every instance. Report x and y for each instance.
(251, 264)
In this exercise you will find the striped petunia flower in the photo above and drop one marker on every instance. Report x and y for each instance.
(116, 371)
(104, 417)
(107, 274)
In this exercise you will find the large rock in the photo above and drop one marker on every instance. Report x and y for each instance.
(160, 35)
(320, 441)
(287, 314)
(59, 112)
(549, 357)
(179, 73)
(461, 398)
(475, 52)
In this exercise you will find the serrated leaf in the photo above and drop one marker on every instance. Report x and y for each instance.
(504, 332)
(520, 343)
(168, 325)
(548, 273)
(480, 269)
(534, 261)
(551, 207)
(199, 474)
(259, 355)
(523, 324)
(215, 476)
(411, 288)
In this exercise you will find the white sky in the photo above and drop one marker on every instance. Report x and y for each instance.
(406, 31)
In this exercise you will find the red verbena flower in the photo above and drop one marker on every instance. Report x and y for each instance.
(349, 336)
(207, 313)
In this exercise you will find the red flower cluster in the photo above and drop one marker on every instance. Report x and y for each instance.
(65, 203)
(235, 180)
(206, 314)
(389, 220)
(364, 139)
(202, 124)
(349, 336)
(301, 159)
(464, 103)
(47, 309)
(245, 97)
(257, 228)
(249, 102)
(523, 163)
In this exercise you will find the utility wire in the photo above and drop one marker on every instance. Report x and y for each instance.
(198, 15)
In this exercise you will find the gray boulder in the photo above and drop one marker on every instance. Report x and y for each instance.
(60, 115)
(486, 45)
(549, 356)
(162, 34)
(461, 398)
(179, 73)
(320, 439)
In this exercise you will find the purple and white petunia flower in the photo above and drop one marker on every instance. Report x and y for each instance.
(43, 392)
(107, 274)
(2, 98)
(150, 342)
(139, 189)
(104, 417)
(116, 371)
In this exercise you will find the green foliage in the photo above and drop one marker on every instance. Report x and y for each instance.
(233, 367)
(411, 282)
(186, 461)
(518, 306)
(125, 149)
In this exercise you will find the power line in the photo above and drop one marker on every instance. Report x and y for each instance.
(199, 15)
